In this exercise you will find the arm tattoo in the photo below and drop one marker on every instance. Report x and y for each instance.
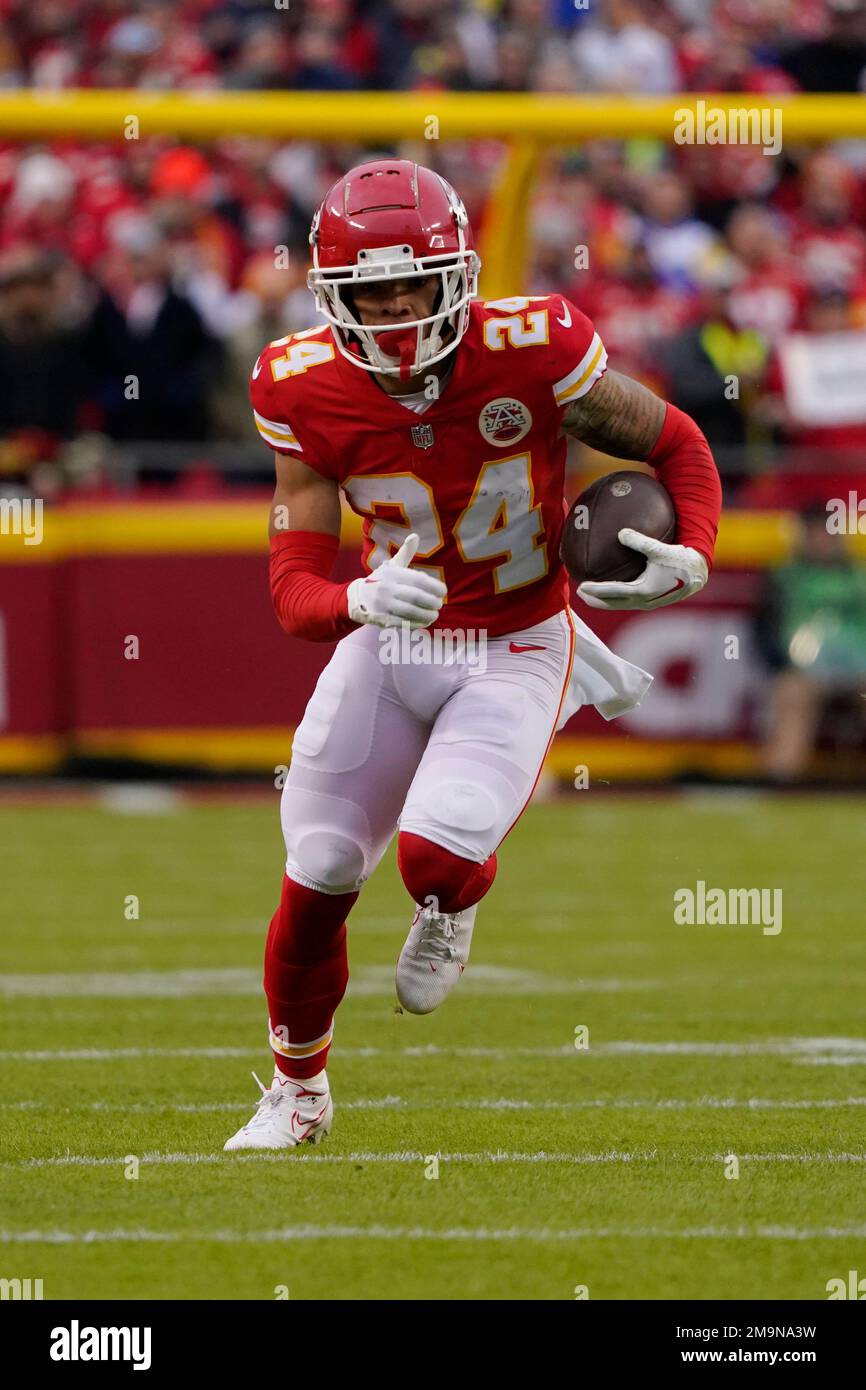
(618, 416)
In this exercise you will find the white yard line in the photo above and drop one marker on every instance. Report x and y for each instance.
(157, 1159)
(119, 1054)
(823, 1049)
(767, 1047)
(369, 981)
(857, 1059)
(506, 1103)
(829, 1157)
(421, 1233)
(492, 1156)
(196, 1108)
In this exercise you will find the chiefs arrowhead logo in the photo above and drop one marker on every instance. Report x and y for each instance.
(504, 421)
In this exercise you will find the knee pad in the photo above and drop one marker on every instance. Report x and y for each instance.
(327, 840)
(463, 804)
(326, 860)
(430, 871)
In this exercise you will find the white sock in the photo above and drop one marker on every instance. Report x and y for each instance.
(319, 1082)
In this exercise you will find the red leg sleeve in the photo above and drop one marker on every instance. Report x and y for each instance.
(306, 972)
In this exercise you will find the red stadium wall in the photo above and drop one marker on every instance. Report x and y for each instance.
(217, 684)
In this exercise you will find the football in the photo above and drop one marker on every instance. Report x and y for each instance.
(590, 546)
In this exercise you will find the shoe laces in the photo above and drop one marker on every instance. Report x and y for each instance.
(268, 1101)
(437, 937)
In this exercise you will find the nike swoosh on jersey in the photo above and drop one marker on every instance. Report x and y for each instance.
(566, 322)
(524, 647)
(257, 368)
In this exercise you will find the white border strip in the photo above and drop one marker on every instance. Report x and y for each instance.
(493, 1156)
(824, 1050)
(453, 1233)
(158, 1159)
(506, 1103)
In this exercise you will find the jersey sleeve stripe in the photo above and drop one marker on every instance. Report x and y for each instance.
(274, 426)
(587, 372)
(278, 436)
(279, 441)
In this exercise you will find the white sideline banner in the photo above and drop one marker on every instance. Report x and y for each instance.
(824, 377)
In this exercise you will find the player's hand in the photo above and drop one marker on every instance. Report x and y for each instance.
(395, 594)
(673, 572)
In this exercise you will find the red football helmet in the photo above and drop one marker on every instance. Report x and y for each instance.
(388, 220)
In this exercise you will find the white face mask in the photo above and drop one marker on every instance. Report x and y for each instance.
(398, 349)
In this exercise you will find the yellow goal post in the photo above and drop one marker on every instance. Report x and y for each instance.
(527, 124)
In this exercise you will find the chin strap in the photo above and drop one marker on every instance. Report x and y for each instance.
(407, 361)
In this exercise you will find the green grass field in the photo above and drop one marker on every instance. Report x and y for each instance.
(558, 1167)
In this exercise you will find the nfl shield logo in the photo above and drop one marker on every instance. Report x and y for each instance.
(422, 436)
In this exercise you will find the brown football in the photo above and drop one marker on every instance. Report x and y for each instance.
(590, 546)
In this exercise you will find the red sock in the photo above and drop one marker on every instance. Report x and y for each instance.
(306, 972)
(428, 871)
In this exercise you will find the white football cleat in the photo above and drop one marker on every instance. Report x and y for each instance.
(433, 957)
(289, 1113)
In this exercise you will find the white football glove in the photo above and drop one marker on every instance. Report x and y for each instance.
(394, 594)
(673, 572)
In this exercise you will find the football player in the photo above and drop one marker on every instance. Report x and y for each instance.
(442, 422)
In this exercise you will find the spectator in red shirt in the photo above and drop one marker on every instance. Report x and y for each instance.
(829, 243)
(770, 294)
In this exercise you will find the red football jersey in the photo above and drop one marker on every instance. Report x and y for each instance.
(479, 475)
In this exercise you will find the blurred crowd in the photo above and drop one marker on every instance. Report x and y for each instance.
(468, 45)
(139, 279)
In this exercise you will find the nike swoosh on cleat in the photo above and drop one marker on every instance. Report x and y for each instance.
(524, 647)
(308, 1123)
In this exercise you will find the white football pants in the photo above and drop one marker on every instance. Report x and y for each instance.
(394, 736)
